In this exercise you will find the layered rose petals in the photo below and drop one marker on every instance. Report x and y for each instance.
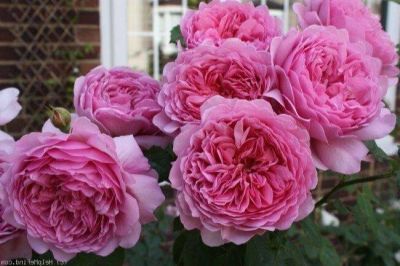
(243, 171)
(234, 70)
(220, 20)
(13, 242)
(334, 88)
(121, 102)
(79, 192)
(358, 20)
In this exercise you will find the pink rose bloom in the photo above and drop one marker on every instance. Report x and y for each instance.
(13, 242)
(243, 171)
(234, 70)
(79, 192)
(221, 20)
(334, 88)
(358, 20)
(121, 102)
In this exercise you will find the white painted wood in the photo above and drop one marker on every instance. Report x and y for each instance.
(114, 32)
(105, 32)
(156, 37)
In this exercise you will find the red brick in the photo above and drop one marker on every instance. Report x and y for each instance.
(88, 18)
(87, 35)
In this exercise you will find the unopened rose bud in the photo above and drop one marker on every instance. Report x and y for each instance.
(61, 118)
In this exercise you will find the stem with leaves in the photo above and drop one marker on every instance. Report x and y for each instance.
(355, 181)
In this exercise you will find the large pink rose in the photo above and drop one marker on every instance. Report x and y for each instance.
(334, 88)
(243, 171)
(221, 20)
(79, 192)
(234, 70)
(358, 20)
(121, 102)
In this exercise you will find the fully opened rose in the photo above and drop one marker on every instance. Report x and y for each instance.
(220, 20)
(233, 70)
(334, 88)
(358, 20)
(243, 171)
(121, 102)
(79, 192)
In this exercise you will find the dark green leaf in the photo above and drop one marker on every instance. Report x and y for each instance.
(116, 258)
(176, 36)
(328, 255)
(161, 160)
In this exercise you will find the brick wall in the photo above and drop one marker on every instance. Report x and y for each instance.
(44, 44)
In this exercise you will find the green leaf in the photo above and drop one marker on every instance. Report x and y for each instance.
(328, 255)
(116, 258)
(176, 36)
(161, 160)
(266, 250)
(189, 250)
(377, 152)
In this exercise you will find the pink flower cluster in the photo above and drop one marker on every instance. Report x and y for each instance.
(252, 113)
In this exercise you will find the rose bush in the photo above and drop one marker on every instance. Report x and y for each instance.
(233, 70)
(121, 102)
(358, 20)
(220, 20)
(334, 88)
(243, 171)
(79, 192)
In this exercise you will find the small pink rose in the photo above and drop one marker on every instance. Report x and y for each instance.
(121, 102)
(233, 70)
(358, 20)
(334, 87)
(220, 20)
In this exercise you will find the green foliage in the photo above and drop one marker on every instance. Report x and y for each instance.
(161, 160)
(176, 36)
(155, 245)
(189, 250)
(116, 259)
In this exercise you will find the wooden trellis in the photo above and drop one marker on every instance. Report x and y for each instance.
(44, 38)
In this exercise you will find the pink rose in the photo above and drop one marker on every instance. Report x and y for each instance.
(79, 192)
(9, 106)
(234, 70)
(334, 88)
(358, 20)
(13, 242)
(121, 102)
(221, 20)
(243, 171)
